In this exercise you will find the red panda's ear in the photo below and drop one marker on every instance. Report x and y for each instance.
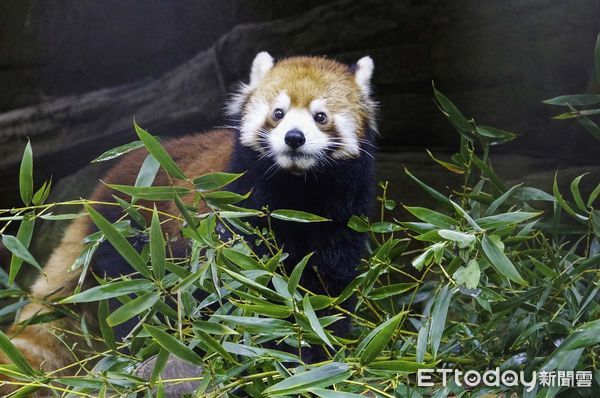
(363, 73)
(263, 62)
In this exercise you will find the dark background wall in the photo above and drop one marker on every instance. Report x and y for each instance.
(497, 60)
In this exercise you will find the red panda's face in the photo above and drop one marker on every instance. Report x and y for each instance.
(305, 112)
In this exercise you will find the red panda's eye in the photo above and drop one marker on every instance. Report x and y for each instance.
(278, 114)
(320, 118)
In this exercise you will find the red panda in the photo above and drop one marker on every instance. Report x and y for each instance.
(305, 141)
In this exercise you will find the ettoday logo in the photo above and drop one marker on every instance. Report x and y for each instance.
(507, 378)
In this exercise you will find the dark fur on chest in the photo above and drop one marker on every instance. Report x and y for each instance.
(337, 191)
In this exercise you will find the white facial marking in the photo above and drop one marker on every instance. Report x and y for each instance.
(251, 124)
(282, 101)
(348, 146)
(308, 154)
(318, 105)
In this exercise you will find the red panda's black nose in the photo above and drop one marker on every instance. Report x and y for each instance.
(295, 138)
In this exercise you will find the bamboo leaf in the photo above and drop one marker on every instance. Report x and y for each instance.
(118, 151)
(147, 173)
(26, 175)
(153, 146)
(372, 345)
(319, 377)
(499, 261)
(24, 235)
(297, 273)
(151, 193)
(173, 345)
(432, 217)
(315, 325)
(157, 247)
(432, 192)
(297, 216)
(213, 181)
(14, 355)
(134, 307)
(121, 245)
(576, 193)
(110, 290)
(17, 248)
(438, 318)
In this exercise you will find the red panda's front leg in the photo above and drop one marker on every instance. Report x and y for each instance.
(39, 343)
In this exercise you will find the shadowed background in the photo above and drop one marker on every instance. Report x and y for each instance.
(73, 74)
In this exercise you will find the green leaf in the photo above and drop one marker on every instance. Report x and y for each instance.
(527, 194)
(212, 181)
(191, 222)
(132, 308)
(438, 318)
(223, 198)
(448, 166)
(26, 175)
(242, 260)
(14, 355)
(106, 331)
(17, 248)
(157, 247)
(297, 216)
(563, 203)
(593, 196)
(213, 328)
(398, 365)
(386, 291)
(456, 118)
(147, 172)
(504, 219)
(574, 100)
(258, 325)
(151, 193)
(118, 151)
(254, 285)
(372, 345)
(590, 126)
(42, 194)
(576, 193)
(500, 200)
(469, 275)
(119, 242)
(315, 325)
(173, 345)
(586, 335)
(24, 235)
(462, 239)
(432, 217)
(494, 135)
(320, 392)
(251, 351)
(153, 146)
(359, 224)
(499, 261)
(487, 171)
(297, 273)
(214, 345)
(466, 216)
(322, 376)
(110, 290)
(432, 192)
